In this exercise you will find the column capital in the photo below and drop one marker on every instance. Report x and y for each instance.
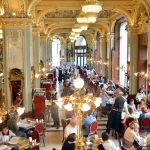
(16, 23)
(133, 29)
(36, 30)
(103, 38)
(110, 35)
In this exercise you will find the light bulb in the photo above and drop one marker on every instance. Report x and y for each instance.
(98, 101)
(85, 107)
(37, 75)
(78, 83)
(68, 107)
(20, 110)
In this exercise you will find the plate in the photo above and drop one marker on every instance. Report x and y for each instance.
(12, 143)
(14, 140)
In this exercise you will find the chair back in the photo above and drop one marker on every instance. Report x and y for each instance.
(93, 128)
(38, 105)
(40, 116)
(145, 123)
(128, 121)
(35, 136)
(35, 148)
(64, 123)
(40, 128)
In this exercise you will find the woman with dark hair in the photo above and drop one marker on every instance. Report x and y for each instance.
(6, 135)
(69, 143)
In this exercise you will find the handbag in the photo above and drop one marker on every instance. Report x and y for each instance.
(136, 144)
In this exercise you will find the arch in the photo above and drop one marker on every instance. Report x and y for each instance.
(58, 27)
(80, 40)
(31, 5)
(43, 13)
(125, 14)
(146, 3)
(112, 28)
(53, 25)
(101, 25)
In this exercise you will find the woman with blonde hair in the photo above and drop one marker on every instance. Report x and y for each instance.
(131, 137)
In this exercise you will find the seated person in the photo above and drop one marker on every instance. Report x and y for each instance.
(131, 136)
(6, 135)
(130, 115)
(141, 105)
(144, 114)
(107, 144)
(132, 105)
(12, 125)
(69, 143)
(71, 127)
(87, 121)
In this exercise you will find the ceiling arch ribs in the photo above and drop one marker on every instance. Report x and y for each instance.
(32, 4)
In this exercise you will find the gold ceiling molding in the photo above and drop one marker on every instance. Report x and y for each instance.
(126, 14)
(32, 4)
(14, 8)
(43, 13)
(61, 24)
(16, 22)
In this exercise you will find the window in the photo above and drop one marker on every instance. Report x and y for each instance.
(80, 51)
(123, 55)
(56, 52)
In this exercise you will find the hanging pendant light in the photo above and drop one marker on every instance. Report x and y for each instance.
(91, 6)
(82, 18)
(91, 17)
(84, 26)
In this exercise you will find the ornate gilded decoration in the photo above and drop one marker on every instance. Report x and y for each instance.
(14, 8)
(144, 17)
(15, 74)
(63, 14)
(106, 14)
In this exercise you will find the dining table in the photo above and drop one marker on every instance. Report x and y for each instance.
(27, 123)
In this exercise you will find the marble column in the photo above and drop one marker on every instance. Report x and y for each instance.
(36, 53)
(148, 61)
(63, 50)
(133, 50)
(49, 49)
(110, 46)
(103, 49)
(43, 48)
(17, 56)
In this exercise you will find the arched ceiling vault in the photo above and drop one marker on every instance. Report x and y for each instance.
(61, 14)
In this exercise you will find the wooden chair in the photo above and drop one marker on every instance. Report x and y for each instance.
(40, 128)
(64, 124)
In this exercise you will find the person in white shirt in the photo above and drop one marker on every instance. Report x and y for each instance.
(131, 135)
(71, 127)
(6, 135)
(132, 105)
(140, 95)
(107, 144)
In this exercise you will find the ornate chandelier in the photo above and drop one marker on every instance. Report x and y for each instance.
(91, 6)
(79, 102)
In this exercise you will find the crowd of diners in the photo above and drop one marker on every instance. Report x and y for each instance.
(116, 105)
